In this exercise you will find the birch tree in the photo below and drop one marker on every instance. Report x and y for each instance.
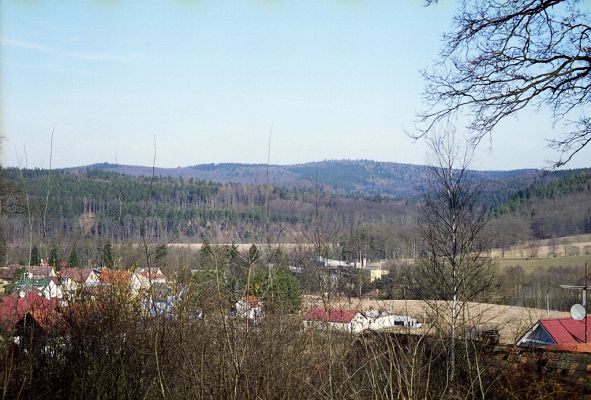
(452, 268)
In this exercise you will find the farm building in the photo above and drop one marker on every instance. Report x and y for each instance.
(338, 319)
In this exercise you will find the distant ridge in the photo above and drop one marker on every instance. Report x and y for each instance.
(362, 177)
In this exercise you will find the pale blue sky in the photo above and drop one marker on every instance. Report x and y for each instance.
(338, 79)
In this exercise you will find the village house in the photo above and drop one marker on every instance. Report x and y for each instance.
(37, 278)
(343, 320)
(556, 332)
(250, 308)
(73, 279)
(14, 307)
(379, 320)
(375, 272)
(141, 279)
(52, 290)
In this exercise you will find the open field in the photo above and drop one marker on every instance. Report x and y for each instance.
(511, 322)
(544, 248)
(529, 264)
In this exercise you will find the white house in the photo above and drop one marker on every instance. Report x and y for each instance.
(389, 321)
(141, 279)
(52, 290)
(250, 308)
(343, 320)
(73, 279)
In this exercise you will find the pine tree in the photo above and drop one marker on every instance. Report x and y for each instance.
(74, 260)
(107, 255)
(54, 257)
(35, 259)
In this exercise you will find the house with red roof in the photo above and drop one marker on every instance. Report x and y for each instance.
(143, 278)
(14, 307)
(249, 307)
(556, 332)
(345, 320)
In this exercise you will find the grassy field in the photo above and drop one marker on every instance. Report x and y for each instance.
(545, 248)
(529, 264)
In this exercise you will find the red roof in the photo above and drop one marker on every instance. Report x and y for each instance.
(330, 315)
(79, 275)
(567, 330)
(115, 276)
(13, 307)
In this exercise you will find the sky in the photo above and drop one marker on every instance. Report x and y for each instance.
(207, 81)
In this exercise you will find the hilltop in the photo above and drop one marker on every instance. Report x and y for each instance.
(360, 177)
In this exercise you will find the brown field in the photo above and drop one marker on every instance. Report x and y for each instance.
(511, 322)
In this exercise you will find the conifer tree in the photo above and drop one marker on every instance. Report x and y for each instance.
(74, 260)
(107, 255)
(35, 259)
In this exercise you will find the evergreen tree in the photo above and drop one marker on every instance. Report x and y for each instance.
(74, 260)
(161, 253)
(107, 255)
(35, 259)
(54, 257)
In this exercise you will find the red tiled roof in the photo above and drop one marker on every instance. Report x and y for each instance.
(116, 277)
(79, 275)
(155, 274)
(331, 315)
(252, 301)
(13, 307)
(567, 330)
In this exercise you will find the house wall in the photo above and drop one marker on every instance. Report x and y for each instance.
(357, 325)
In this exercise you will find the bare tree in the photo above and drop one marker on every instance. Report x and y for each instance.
(504, 56)
(453, 267)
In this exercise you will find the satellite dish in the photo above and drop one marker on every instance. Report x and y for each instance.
(577, 311)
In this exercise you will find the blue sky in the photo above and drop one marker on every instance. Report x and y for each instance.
(337, 79)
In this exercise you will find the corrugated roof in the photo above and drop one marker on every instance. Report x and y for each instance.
(330, 315)
(567, 330)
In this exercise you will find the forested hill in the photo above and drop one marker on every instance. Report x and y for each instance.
(553, 205)
(122, 207)
(360, 177)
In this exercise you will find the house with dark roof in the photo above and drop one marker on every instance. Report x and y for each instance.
(74, 279)
(344, 320)
(556, 332)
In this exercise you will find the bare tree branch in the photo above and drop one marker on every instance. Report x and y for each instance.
(505, 56)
